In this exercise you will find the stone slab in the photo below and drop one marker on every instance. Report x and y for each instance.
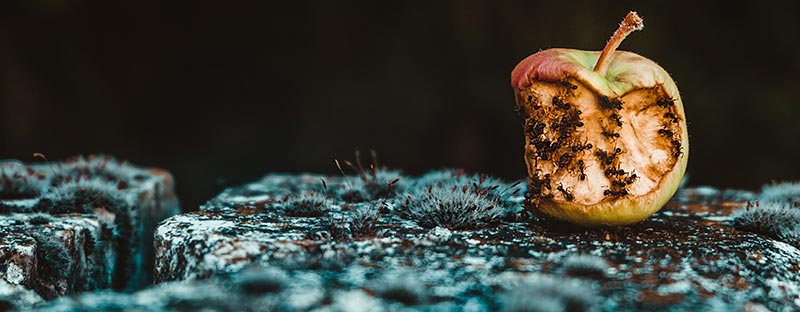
(688, 256)
(79, 225)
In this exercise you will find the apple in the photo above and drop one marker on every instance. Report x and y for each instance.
(605, 132)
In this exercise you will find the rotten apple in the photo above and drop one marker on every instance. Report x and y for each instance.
(605, 132)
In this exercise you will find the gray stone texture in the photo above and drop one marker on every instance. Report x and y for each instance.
(689, 256)
(78, 225)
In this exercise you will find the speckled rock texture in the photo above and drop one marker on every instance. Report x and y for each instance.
(78, 225)
(372, 242)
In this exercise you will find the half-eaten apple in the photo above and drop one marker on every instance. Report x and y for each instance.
(605, 132)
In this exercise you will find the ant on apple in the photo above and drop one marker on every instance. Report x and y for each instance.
(672, 117)
(567, 194)
(612, 172)
(565, 158)
(568, 85)
(665, 102)
(621, 192)
(678, 148)
(537, 185)
(618, 183)
(533, 103)
(607, 103)
(547, 181)
(630, 179)
(578, 148)
(610, 134)
(617, 119)
(604, 156)
(665, 132)
(560, 104)
(574, 118)
(607, 157)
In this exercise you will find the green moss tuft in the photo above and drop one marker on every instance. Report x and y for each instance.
(450, 206)
(310, 204)
(545, 293)
(17, 181)
(778, 220)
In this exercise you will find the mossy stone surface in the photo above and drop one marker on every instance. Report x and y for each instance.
(688, 256)
(78, 225)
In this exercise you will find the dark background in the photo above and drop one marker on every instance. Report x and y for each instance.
(221, 93)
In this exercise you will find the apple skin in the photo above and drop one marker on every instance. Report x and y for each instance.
(627, 72)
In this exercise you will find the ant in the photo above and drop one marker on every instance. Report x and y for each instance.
(578, 148)
(610, 172)
(537, 185)
(533, 103)
(678, 148)
(617, 119)
(582, 167)
(560, 104)
(572, 118)
(618, 183)
(665, 132)
(567, 194)
(607, 157)
(563, 133)
(569, 85)
(564, 160)
(609, 134)
(547, 181)
(630, 179)
(604, 156)
(607, 103)
(545, 148)
(665, 102)
(621, 192)
(672, 117)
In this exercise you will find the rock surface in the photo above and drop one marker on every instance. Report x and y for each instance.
(375, 251)
(79, 225)
(292, 242)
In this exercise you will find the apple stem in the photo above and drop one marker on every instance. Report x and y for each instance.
(631, 23)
